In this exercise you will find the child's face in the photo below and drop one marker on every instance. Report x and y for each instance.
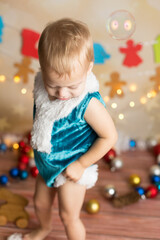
(65, 87)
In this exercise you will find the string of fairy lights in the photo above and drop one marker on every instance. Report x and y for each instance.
(132, 88)
(16, 79)
(113, 104)
(142, 101)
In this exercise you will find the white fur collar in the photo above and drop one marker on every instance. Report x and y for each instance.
(47, 112)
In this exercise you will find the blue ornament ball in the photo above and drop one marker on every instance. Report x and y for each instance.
(3, 147)
(140, 190)
(14, 172)
(158, 185)
(23, 174)
(155, 179)
(3, 179)
(132, 143)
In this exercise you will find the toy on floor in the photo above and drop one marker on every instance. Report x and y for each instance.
(12, 209)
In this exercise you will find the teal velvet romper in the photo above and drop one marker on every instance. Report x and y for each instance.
(71, 137)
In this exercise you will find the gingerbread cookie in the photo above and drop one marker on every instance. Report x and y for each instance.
(24, 69)
(116, 85)
(156, 79)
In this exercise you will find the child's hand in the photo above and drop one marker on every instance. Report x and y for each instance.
(74, 171)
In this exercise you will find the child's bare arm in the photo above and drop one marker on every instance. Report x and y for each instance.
(98, 118)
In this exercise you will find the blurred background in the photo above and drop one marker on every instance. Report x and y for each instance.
(129, 76)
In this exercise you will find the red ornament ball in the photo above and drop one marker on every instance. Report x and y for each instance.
(110, 155)
(156, 149)
(151, 191)
(34, 171)
(29, 137)
(22, 166)
(24, 159)
(22, 144)
(26, 148)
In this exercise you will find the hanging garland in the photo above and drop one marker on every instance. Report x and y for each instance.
(132, 59)
(1, 28)
(116, 85)
(156, 80)
(24, 69)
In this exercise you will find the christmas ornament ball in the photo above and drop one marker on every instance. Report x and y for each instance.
(22, 144)
(155, 179)
(110, 155)
(31, 154)
(109, 191)
(3, 179)
(158, 186)
(23, 174)
(151, 191)
(132, 143)
(134, 180)
(24, 159)
(22, 166)
(158, 159)
(155, 170)
(29, 136)
(116, 164)
(26, 148)
(140, 190)
(14, 172)
(156, 149)
(15, 146)
(34, 171)
(141, 144)
(3, 147)
(92, 206)
(151, 142)
(32, 162)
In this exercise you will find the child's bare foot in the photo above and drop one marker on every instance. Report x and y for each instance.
(38, 234)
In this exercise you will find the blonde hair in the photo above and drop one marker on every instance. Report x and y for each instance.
(64, 43)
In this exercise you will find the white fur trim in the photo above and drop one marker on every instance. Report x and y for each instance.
(15, 236)
(89, 177)
(49, 111)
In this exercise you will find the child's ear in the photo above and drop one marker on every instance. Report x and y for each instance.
(90, 67)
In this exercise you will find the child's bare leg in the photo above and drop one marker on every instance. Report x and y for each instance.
(43, 201)
(71, 196)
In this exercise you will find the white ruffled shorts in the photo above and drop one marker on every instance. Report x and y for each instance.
(89, 177)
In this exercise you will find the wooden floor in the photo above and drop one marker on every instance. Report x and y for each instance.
(138, 221)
